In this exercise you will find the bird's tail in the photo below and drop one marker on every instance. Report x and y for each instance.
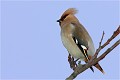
(92, 69)
(99, 67)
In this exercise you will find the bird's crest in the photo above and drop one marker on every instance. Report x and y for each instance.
(69, 11)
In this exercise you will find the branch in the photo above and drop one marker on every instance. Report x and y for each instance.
(112, 37)
(107, 42)
(94, 60)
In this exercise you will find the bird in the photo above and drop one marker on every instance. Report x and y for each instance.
(75, 38)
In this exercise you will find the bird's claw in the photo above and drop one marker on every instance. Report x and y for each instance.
(72, 62)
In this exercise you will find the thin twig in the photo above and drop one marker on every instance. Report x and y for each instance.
(98, 50)
(107, 42)
(101, 39)
(112, 37)
(109, 50)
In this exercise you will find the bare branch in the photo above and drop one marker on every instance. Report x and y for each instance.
(94, 60)
(101, 39)
(112, 37)
(79, 70)
(107, 42)
(98, 50)
(109, 50)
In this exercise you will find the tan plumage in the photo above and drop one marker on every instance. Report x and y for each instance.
(71, 11)
(75, 37)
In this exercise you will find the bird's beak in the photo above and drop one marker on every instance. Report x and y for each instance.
(58, 20)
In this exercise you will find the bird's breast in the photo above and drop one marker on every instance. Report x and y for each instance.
(68, 42)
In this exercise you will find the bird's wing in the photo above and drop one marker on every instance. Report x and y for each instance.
(83, 50)
(81, 34)
(82, 39)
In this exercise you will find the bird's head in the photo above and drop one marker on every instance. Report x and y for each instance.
(69, 13)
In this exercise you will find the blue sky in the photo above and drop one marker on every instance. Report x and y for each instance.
(31, 46)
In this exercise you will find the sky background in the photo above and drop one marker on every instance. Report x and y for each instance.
(31, 46)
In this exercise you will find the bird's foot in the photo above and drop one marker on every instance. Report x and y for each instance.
(72, 62)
